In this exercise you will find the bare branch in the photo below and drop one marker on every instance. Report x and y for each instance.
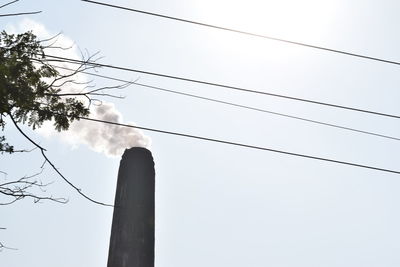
(86, 94)
(109, 95)
(90, 92)
(52, 46)
(19, 151)
(82, 67)
(54, 40)
(20, 189)
(4, 247)
(47, 160)
(66, 82)
(51, 38)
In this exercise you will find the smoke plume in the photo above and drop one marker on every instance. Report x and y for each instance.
(105, 138)
(111, 140)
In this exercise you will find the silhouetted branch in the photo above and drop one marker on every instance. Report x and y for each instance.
(55, 38)
(95, 91)
(69, 78)
(24, 188)
(18, 151)
(47, 160)
(5, 247)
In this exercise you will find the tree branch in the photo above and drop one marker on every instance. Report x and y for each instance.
(4, 247)
(18, 151)
(19, 190)
(42, 150)
(51, 38)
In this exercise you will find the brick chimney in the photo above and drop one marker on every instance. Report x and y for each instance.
(132, 232)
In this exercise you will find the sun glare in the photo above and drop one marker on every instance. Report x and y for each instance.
(306, 20)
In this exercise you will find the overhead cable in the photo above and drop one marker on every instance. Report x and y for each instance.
(9, 3)
(246, 33)
(235, 104)
(245, 146)
(241, 89)
(20, 14)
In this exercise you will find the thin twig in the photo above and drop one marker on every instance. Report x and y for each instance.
(19, 151)
(4, 247)
(51, 38)
(42, 150)
(18, 190)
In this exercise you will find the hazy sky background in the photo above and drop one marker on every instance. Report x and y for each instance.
(218, 205)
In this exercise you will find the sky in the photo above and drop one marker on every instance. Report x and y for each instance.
(220, 205)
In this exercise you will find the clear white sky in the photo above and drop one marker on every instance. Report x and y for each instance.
(218, 205)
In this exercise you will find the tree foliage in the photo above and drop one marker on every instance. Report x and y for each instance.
(33, 91)
(30, 87)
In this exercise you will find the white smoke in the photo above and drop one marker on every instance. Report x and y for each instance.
(109, 139)
(106, 138)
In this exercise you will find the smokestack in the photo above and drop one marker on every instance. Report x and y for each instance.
(132, 232)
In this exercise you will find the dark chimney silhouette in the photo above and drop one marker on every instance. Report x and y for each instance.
(132, 232)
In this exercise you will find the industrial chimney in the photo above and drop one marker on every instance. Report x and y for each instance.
(132, 232)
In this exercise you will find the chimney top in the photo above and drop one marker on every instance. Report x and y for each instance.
(136, 152)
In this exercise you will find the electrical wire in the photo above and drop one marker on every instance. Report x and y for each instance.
(241, 89)
(235, 104)
(246, 33)
(245, 146)
(9, 3)
(20, 14)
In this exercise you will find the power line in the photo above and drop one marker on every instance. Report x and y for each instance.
(236, 105)
(9, 3)
(246, 33)
(20, 14)
(244, 145)
(241, 89)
